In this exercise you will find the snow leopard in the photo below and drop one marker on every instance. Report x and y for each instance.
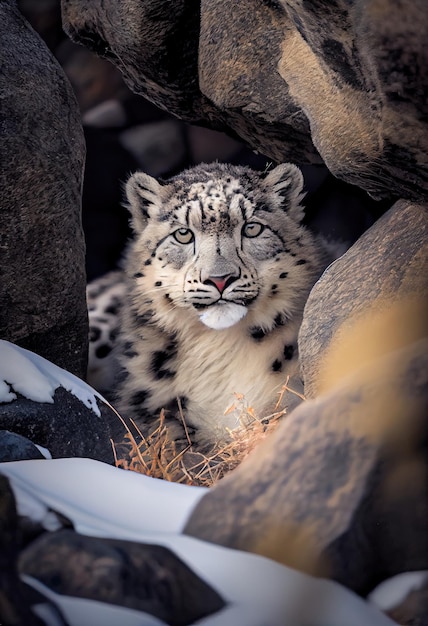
(209, 300)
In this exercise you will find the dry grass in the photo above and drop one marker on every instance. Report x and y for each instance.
(157, 456)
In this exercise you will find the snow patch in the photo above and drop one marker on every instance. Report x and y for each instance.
(104, 501)
(392, 592)
(46, 453)
(35, 378)
(5, 393)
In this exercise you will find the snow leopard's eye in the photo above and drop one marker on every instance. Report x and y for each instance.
(252, 229)
(183, 235)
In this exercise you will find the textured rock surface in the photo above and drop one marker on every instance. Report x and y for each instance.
(42, 281)
(66, 427)
(300, 81)
(340, 488)
(147, 578)
(15, 447)
(388, 265)
(14, 606)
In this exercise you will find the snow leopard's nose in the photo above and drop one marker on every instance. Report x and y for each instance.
(220, 282)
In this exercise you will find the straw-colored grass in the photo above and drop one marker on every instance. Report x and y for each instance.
(157, 456)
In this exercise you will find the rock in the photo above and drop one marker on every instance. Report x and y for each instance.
(367, 293)
(340, 489)
(14, 606)
(404, 598)
(147, 578)
(340, 83)
(66, 427)
(55, 409)
(42, 279)
(413, 610)
(141, 34)
(14, 447)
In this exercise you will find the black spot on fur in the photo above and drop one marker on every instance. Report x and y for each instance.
(128, 350)
(288, 352)
(164, 373)
(280, 319)
(276, 365)
(183, 402)
(139, 275)
(148, 262)
(262, 206)
(160, 359)
(144, 318)
(301, 262)
(102, 351)
(113, 334)
(158, 283)
(139, 397)
(257, 333)
(94, 333)
(112, 309)
(283, 275)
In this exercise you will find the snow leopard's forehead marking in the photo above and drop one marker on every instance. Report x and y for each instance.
(215, 204)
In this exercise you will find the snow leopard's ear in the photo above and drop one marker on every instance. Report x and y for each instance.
(144, 195)
(286, 181)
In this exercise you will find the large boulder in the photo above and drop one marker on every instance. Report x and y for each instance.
(142, 577)
(339, 82)
(42, 252)
(378, 280)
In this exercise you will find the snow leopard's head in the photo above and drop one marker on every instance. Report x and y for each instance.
(220, 243)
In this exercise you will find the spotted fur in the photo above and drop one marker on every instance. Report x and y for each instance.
(214, 287)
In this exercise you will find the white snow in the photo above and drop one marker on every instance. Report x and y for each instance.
(6, 395)
(393, 591)
(83, 612)
(35, 378)
(105, 501)
(46, 453)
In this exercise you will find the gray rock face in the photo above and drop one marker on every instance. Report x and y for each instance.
(42, 281)
(14, 604)
(15, 447)
(142, 577)
(387, 266)
(67, 427)
(338, 81)
(340, 489)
